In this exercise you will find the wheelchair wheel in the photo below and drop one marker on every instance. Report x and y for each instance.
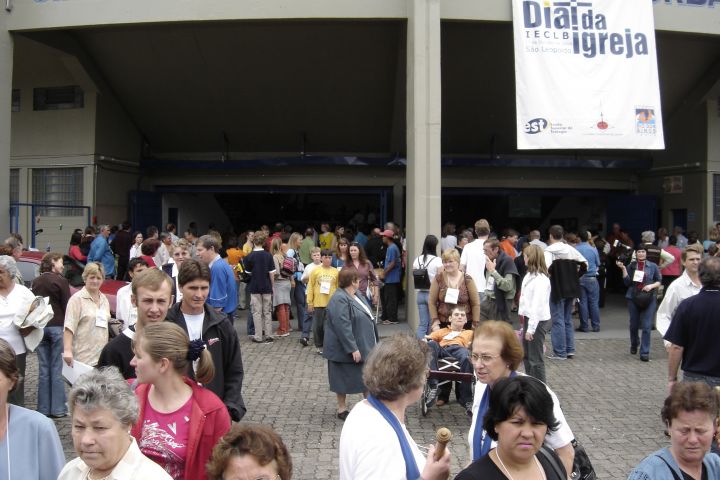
(423, 400)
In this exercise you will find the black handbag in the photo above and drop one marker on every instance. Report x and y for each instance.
(641, 298)
(421, 278)
(582, 468)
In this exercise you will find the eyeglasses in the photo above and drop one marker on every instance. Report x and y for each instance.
(483, 359)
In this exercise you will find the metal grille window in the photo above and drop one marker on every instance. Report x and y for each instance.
(716, 197)
(58, 98)
(14, 185)
(58, 186)
(15, 100)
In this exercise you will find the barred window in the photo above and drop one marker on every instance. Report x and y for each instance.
(14, 185)
(58, 98)
(57, 187)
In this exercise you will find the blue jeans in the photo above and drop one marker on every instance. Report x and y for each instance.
(304, 319)
(462, 355)
(562, 334)
(589, 302)
(51, 388)
(641, 319)
(423, 314)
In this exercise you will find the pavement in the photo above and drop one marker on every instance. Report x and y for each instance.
(610, 398)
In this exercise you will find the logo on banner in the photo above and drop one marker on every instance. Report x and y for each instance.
(536, 125)
(645, 121)
(575, 22)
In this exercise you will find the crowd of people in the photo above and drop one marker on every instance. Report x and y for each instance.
(168, 373)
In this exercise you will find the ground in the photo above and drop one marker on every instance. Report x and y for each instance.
(611, 400)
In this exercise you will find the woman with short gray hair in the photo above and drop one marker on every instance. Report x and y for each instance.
(104, 409)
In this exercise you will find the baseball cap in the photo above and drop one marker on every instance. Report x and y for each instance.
(388, 233)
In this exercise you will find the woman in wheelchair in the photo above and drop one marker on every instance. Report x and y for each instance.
(454, 342)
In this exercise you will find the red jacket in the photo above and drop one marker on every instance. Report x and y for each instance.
(209, 420)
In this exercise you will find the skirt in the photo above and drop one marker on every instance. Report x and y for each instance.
(281, 292)
(345, 377)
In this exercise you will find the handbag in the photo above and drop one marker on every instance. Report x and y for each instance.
(641, 298)
(421, 278)
(582, 468)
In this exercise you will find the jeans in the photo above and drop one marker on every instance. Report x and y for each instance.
(562, 334)
(589, 302)
(462, 355)
(261, 304)
(390, 297)
(533, 359)
(641, 319)
(304, 319)
(318, 326)
(423, 314)
(51, 388)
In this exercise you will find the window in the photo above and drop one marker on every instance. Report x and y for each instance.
(14, 185)
(15, 100)
(58, 98)
(58, 186)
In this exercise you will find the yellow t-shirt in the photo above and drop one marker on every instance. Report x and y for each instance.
(326, 240)
(318, 278)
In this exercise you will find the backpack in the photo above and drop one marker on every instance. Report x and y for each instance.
(421, 278)
(289, 267)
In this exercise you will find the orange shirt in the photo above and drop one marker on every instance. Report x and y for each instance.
(234, 255)
(464, 339)
(507, 247)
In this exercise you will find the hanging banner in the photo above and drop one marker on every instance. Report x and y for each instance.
(586, 74)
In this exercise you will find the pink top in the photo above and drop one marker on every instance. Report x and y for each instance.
(165, 438)
(76, 254)
(675, 268)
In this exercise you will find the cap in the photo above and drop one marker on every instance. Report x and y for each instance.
(388, 233)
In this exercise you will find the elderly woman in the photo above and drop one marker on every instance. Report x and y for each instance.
(16, 247)
(51, 387)
(449, 288)
(86, 319)
(519, 416)
(496, 354)
(250, 451)
(349, 338)
(30, 447)
(103, 409)
(642, 277)
(15, 299)
(690, 416)
(374, 442)
(180, 421)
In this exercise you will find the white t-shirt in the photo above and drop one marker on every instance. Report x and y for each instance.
(370, 449)
(431, 262)
(448, 242)
(17, 301)
(124, 309)
(557, 439)
(194, 324)
(473, 259)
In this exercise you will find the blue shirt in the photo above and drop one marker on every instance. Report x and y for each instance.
(393, 253)
(592, 256)
(223, 289)
(100, 252)
(361, 238)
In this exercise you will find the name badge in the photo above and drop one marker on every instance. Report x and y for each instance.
(325, 288)
(101, 321)
(451, 295)
(339, 268)
(638, 276)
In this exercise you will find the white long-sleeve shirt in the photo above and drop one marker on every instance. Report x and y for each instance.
(680, 289)
(534, 302)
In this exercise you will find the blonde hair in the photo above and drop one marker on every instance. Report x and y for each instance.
(276, 246)
(450, 254)
(535, 259)
(93, 269)
(167, 340)
(294, 240)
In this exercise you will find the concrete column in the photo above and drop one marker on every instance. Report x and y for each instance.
(6, 67)
(423, 132)
(713, 158)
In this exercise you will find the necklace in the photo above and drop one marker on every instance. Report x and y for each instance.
(537, 464)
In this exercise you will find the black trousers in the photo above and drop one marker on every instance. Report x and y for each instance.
(390, 297)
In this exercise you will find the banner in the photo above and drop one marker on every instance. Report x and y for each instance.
(586, 74)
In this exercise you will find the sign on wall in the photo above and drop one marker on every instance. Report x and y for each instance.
(586, 74)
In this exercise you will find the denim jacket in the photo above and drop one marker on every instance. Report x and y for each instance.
(652, 275)
(653, 467)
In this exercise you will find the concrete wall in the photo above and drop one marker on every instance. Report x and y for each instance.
(115, 133)
(195, 207)
(112, 187)
(6, 69)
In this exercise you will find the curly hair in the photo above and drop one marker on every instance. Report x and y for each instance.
(396, 366)
(688, 397)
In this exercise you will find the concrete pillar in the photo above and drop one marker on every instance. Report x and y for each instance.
(423, 132)
(6, 67)
(713, 159)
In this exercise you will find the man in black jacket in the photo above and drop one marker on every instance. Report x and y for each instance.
(202, 322)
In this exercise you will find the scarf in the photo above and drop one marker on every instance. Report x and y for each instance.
(483, 443)
(411, 468)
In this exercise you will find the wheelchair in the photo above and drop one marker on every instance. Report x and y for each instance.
(448, 371)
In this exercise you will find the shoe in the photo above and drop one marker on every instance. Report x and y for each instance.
(644, 358)
(343, 415)
(278, 334)
(255, 340)
(580, 329)
(268, 340)
(552, 356)
(468, 409)
(57, 415)
(431, 396)
(440, 402)
(318, 351)
(633, 350)
(596, 329)
(570, 356)
(305, 341)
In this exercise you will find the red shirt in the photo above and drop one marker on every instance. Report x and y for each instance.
(165, 437)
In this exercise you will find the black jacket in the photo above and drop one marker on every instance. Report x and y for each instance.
(118, 353)
(565, 278)
(222, 340)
